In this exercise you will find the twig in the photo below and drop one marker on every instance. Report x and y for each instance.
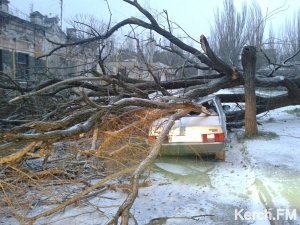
(19, 155)
(53, 86)
(81, 194)
(279, 65)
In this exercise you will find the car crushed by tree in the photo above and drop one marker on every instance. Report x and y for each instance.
(103, 115)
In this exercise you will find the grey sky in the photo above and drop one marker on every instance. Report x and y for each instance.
(194, 16)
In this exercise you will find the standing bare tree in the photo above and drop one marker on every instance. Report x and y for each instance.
(291, 37)
(233, 28)
(255, 26)
(228, 33)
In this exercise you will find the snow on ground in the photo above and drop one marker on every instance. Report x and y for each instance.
(276, 162)
(258, 173)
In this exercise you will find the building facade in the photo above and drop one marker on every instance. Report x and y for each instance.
(24, 40)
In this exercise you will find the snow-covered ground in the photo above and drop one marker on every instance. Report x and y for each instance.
(258, 174)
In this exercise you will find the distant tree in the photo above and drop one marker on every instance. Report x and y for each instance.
(233, 29)
(167, 57)
(284, 50)
(88, 26)
(255, 25)
(291, 37)
(149, 47)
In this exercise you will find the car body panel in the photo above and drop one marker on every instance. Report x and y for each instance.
(191, 148)
(185, 136)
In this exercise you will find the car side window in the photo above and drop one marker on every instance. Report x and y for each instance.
(193, 113)
(211, 107)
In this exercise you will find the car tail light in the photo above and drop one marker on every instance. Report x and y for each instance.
(219, 137)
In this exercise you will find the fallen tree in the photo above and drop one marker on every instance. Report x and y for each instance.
(112, 113)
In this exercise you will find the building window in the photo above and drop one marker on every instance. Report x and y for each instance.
(22, 66)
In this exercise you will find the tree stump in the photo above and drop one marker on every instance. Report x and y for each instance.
(249, 64)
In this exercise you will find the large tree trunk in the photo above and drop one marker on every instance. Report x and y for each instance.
(249, 63)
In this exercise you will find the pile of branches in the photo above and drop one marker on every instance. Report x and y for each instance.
(104, 122)
(110, 143)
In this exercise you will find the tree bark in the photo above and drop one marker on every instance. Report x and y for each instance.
(249, 63)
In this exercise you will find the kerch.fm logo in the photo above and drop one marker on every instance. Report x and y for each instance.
(266, 214)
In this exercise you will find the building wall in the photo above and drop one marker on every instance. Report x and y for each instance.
(23, 41)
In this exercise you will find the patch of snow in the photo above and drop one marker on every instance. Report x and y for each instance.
(258, 173)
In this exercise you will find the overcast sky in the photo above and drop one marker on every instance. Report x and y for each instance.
(195, 16)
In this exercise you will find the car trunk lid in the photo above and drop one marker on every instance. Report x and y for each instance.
(194, 129)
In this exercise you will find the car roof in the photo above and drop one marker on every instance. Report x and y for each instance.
(206, 98)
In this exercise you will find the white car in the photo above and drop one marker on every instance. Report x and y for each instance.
(195, 133)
